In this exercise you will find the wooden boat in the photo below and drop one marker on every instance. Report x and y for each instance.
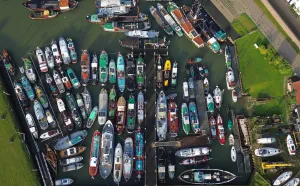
(130, 73)
(61, 6)
(103, 71)
(118, 164)
(112, 102)
(266, 140)
(290, 145)
(58, 82)
(171, 165)
(73, 78)
(41, 96)
(51, 156)
(94, 153)
(40, 115)
(142, 34)
(173, 118)
(185, 118)
(195, 160)
(159, 74)
(210, 103)
(85, 67)
(68, 123)
(161, 164)
(230, 81)
(52, 85)
(121, 115)
(128, 158)
(112, 71)
(8, 62)
(131, 114)
(80, 105)
(94, 69)
(267, 152)
(139, 153)
(41, 59)
(283, 178)
(140, 72)
(92, 117)
(49, 134)
(73, 53)
(65, 80)
(87, 99)
(102, 111)
(31, 125)
(213, 128)
(118, 26)
(140, 108)
(28, 88)
(22, 96)
(72, 167)
(194, 120)
(70, 161)
(64, 181)
(185, 90)
(161, 116)
(233, 154)
(218, 97)
(231, 139)
(121, 72)
(44, 14)
(49, 57)
(192, 152)
(160, 20)
(220, 130)
(50, 119)
(174, 74)
(56, 53)
(64, 51)
(293, 182)
(167, 70)
(234, 96)
(60, 105)
(69, 141)
(29, 72)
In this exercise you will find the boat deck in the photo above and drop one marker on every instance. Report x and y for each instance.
(184, 23)
(201, 107)
(64, 3)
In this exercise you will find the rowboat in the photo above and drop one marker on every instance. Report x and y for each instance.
(41, 96)
(85, 67)
(64, 51)
(49, 57)
(234, 96)
(167, 70)
(8, 62)
(118, 166)
(73, 151)
(121, 72)
(159, 74)
(60, 105)
(73, 78)
(112, 71)
(31, 125)
(70, 161)
(41, 59)
(130, 73)
(73, 53)
(161, 116)
(21, 95)
(220, 130)
(140, 79)
(102, 111)
(94, 69)
(40, 115)
(174, 74)
(121, 115)
(171, 165)
(210, 103)
(92, 117)
(185, 89)
(128, 158)
(94, 153)
(50, 119)
(29, 72)
(213, 128)
(267, 152)
(49, 134)
(131, 114)
(70, 140)
(161, 164)
(112, 102)
(266, 140)
(103, 59)
(64, 181)
(293, 182)
(80, 104)
(28, 88)
(140, 108)
(139, 153)
(290, 145)
(230, 81)
(142, 34)
(68, 123)
(173, 117)
(185, 118)
(58, 82)
(218, 97)
(72, 167)
(233, 154)
(52, 85)
(194, 117)
(283, 178)
(195, 160)
(56, 53)
(87, 100)
(160, 20)
(192, 152)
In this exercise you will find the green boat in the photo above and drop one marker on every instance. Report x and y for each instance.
(112, 102)
(227, 57)
(131, 114)
(92, 117)
(29, 72)
(71, 102)
(140, 72)
(210, 103)
(185, 118)
(73, 78)
(229, 124)
(103, 67)
(41, 96)
(112, 71)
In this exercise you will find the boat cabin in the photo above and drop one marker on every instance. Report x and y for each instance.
(185, 91)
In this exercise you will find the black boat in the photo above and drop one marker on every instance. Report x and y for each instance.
(161, 164)
(21, 95)
(76, 118)
(52, 85)
(8, 62)
(130, 73)
(195, 160)
(126, 26)
(132, 43)
(171, 165)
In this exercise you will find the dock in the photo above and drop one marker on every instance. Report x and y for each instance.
(201, 107)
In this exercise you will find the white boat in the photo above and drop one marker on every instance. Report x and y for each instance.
(161, 116)
(110, 3)
(64, 51)
(118, 164)
(70, 161)
(218, 97)
(290, 145)
(233, 154)
(41, 59)
(142, 34)
(231, 139)
(266, 152)
(61, 105)
(192, 152)
(102, 111)
(56, 53)
(128, 158)
(31, 125)
(206, 86)
(230, 81)
(185, 88)
(265, 140)
(64, 181)
(50, 119)
(293, 182)
(49, 57)
(58, 82)
(49, 134)
(234, 96)
(283, 178)
(112, 11)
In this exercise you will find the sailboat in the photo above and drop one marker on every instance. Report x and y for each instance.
(161, 116)
(103, 59)
(121, 72)
(121, 115)
(118, 164)
(94, 153)
(103, 101)
(85, 67)
(94, 69)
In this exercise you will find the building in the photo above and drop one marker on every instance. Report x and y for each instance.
(295, 4)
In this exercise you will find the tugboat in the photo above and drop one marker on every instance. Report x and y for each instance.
(171, 165)
(41, 96)
(161, 164)
(160, 20)
(56, 53)
(69, 125)
(87, 100)
(28, 88)
(191, 86)
(131, 114)
(195, 160)
(128, 158)
(70, 140)
(8, 62)
(64, 51)
(220, 130)
(107, 149)
(159, 74)
(161, 116)
(192, 152)
(167, 70)
(92, 117)
(117, 26)
(185, 118)
(210, 103)
(112, 102)
(173, 117)
(50, 119)
(227, 57)
(213, 128)
(60, 105)
(139, 153)
(73, 78)
(112, 71)
(94, 153)
(58, 82)
(52, 86)
(65, 80)
(194, 117)
(102, 112)
(230, 79)
(206, 86)
(40, 115)
(103, 67)
(218, 97)
(118, 166)
(21, 95)
(121, 115)
(80, 104)
(41, 59)
(30, 74)
(43, 14)
(121, 72)
(31, 125)
(49, 57)
(73, 53)
(85, 67)
(140, 72)
(94, 67)
(140, 108)
(174, 75)
(142, 34)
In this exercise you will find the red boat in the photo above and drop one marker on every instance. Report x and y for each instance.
(195, 160)
(213, 128)
(94, 153)
(69, 125)
(121, 115)
(66, 80)
(220, 130)
(173, 118)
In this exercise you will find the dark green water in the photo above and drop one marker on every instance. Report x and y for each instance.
(19, 35)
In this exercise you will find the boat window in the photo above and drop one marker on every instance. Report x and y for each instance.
(194, 33)
(72, 75)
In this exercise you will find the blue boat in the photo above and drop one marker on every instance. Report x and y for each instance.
(121, 72)
(69, 141)
(139, 153)
(28, 88)
(194, 117)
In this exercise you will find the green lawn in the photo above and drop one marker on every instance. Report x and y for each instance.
(15, 165)
(243, 25)
(258, 180)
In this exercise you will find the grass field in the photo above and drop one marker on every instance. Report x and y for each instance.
(243, 25)
(258, 180)
(15, 165)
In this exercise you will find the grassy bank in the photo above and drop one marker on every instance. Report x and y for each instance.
(243, 25)
(259, 180)
(16, 168)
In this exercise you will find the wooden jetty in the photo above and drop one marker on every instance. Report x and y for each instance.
(201, 107)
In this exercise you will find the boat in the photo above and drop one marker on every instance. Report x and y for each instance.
(121, 72)
(8, 62)
(60, 104)
(94, 69)
(210, 103)
(159, 73)
(28, 88)
(21, 95)
(173, 118)
(293, 182)
(167, 70)
(118, 164)
(266, 140)
(185, 118)
(73, 78)
(65, 80)
(194, 120)
(72, 167)
(201, 71)
(107, 149)
(231, 139)
(174, 74)
(169, 19)
(266, 152)
(192, 152)
(73, 151)
(117, 26)
(64, 51)
(31, 125)
(87, 100)
(40, 115)
(128, 158)
(171, 165)
(97, 19)
(112, 11)
(85, 67)
(161, 116)
(213, 128)
(140, 72)
(234, 96)
(142, 34)
(283, 178)
(41, 59)
(58, 82)
(160, 20)
(139, 153)
(220, 130)
(73, 53)
(50, 119)
(52, 85)
(185, 24)
(185, 91)
(70, 140)
(233, 154)
(218, 97)
(131, 114)
(29, 72)
(191, 85)
(136, 43)
(80, 104)
(61, 6)
(112, 71)
(49, 57)
(94, 153)
(68, 123)
(206, 176)
(290, 145)
(76, 118)
(41, 96)
(195, 160)
(49, 134)
(102, 111)
(103, 59)
(229, 124)
(43, 14)
(70, 161)
(230, 81)
(121, 115)
(64, 181)
(130, 73)
(140, 108)
(109, 3)
(161, 164)
(192, 72)
(92, 117)
(112, 102)
(227, 57)
(71, 102)
(56, 53)
(206, 86)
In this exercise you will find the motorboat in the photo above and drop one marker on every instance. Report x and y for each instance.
(131, 114)
(174, 74)
(41, 96)
(28, 88)
(293, 182)
(71, 140)
(60, 104)
(231, 139)
(29, 72)
(142, 34)
(58, 82)
(49, 57)
(185, 118)
(220, 130)
(92, 117)
(87, 99)
(194, 120)
(64, 51)
(118, 164)
(234, 96)
(191, 88)
(31, 125)
(173, 117)
(70, 152)
(267, 152)
(73, 53)
(160, 20)
(21, 95)
(230, 81)
(213, 127)
(130, 73)
(128, 158)
(56, 53)
(139, 153)
(266, 140)
(283, 178)
(140, 72)
(185, 89)
(41, 59)
(171, 165)
(80, 105)
(68, 123)
(72, 167)
(49, 134)
(103, 105)
(161, 164)
(103, 70)
(112, 76)
(218, 97)
(40, 115)
(94, 70)
(121, 115)
(50, 119)
(140, 108)
(233, 154)
(65, 80)
(210, 103)
(85, 67)
(290, 145)
(161, 116)
(70, 161)
(52, 85)
(192, 152)
(121, 72)
(64, 181)
(73, 78)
